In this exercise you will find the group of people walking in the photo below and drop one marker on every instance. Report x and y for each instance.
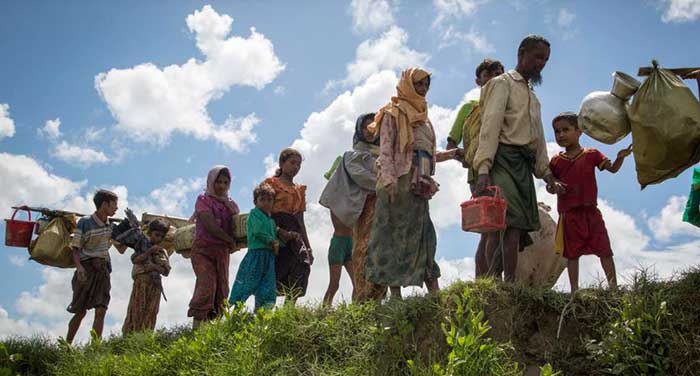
(378, 196)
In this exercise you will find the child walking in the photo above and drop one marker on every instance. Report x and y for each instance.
(256, 274)
(91, 282)
(144, 303)
(581, 227)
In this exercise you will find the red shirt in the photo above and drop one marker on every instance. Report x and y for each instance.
(578, 174)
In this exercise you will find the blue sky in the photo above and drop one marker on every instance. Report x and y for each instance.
(144, 98)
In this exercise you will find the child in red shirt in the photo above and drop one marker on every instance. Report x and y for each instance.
(580, 221)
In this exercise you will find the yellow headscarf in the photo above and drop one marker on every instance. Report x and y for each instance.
(408, 103)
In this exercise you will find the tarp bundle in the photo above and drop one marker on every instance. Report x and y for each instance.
(665, 119)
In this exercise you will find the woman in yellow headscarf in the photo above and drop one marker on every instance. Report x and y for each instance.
(401, 250)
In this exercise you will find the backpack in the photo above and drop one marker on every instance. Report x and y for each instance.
(470, 135)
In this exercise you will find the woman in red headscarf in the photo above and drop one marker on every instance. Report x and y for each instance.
(213, 242)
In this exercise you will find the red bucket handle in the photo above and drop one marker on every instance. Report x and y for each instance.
(495, 189)
(29, 212)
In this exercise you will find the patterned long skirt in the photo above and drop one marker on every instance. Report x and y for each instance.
(211, 287)
(402, 243)
(143, 305)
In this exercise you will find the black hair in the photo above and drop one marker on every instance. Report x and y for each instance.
(568, 116)
(488, 65)
(531, 41)
(284, 156)
(263, 190)
(158, 225)
(360, 126)
(102, 196)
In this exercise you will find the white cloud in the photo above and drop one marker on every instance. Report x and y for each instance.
(7, 125)
(280, 90)
(475, 40)
(25, 182)
(151, 103)
(17, 260)
(565, 18)
(679, 11)
(93, 134)
(51, 129)
(371, 15)
(388, 52)
(669, 222)
(170, 199)
(78, 155)
(457, 9)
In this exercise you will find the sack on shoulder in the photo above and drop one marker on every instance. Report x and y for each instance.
(470, 134)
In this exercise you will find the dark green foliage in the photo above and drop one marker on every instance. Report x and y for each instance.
(482, 327)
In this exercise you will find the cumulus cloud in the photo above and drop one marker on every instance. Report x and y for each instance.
(455, 9)
(7, 125)
(669, 222)
(152, 103)
(17, 260)
(371, 15)
(561, 22)
(565, 18)
(679, 11)
(388, 52)
(171, 198)
(26, 182)
(51, 129)
(82, 156)
(476, 41)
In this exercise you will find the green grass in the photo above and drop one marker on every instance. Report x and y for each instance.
(472, 328)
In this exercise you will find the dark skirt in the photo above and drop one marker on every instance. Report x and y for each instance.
(292, 272)
(512, 171)
(94, 291)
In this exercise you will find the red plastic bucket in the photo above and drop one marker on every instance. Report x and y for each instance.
(485, 213)
(19, 233)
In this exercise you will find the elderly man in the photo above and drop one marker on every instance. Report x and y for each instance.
(511, 149)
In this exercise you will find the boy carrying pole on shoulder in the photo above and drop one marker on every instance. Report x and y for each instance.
(91, 281)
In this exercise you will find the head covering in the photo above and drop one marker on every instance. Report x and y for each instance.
(211, 192)
(408, 107)
(359, 135)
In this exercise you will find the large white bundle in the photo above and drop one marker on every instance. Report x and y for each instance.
(538, 264)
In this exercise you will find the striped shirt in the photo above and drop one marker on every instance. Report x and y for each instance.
(92, 238)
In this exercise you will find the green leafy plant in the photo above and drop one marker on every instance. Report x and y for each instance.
(471, 352)
(636, 343)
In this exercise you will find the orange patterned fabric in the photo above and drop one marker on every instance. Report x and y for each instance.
(288, 199)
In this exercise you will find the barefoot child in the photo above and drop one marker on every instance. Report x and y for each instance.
(256, 274)
(144, 303)
(581, 225)
(91, 281)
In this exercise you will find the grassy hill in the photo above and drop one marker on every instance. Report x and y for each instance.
(473, 328)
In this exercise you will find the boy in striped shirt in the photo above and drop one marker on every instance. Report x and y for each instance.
(91, 281)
